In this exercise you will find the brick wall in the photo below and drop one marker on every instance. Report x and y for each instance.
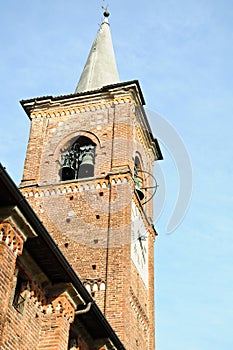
(8, 257)
(91, 219)
(29, 319)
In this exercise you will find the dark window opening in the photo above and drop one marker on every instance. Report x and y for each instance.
(20, 294)
(138, 179)
(73, 338)
(78, 161)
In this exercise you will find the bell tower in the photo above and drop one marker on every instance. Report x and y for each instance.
(88, 175)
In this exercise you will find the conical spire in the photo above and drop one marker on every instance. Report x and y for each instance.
(100, 68)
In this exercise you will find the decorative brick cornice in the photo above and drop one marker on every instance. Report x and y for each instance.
(61, 306)
(12, 237)
(71, 110)
(74, 187)
(37, 295)
(137, 307)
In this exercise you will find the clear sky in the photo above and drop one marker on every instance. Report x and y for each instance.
(182, 53)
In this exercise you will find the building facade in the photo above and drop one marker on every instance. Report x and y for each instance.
(88, 177)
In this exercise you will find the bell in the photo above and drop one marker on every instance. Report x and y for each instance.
(140, 193)
(138, 185)
(68, 166)
(86, 168)
(67, 173)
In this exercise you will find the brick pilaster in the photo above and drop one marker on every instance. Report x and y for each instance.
(56, 324)
(11, 246)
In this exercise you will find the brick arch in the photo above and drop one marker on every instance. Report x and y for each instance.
(139, 175)
(71, 138)
(53, 166)
(138, 156)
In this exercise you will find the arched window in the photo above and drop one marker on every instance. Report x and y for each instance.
(138, 178)
(78, 161)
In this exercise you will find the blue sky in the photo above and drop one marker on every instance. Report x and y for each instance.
(182, 54)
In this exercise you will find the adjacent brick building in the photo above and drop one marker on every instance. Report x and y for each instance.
(43, 303)
(88, 177)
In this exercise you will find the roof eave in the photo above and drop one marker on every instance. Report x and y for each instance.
(29, 104)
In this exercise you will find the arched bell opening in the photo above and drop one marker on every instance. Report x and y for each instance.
(138, 179)
(79, 160)
(145, 183)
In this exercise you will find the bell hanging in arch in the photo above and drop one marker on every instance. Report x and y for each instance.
(86, 167)
(67, 173)
(68, 166)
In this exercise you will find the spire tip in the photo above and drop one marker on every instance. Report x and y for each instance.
(106, 13)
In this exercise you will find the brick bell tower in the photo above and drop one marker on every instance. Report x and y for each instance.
(88, 176)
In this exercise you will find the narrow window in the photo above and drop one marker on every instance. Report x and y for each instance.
(138, 179)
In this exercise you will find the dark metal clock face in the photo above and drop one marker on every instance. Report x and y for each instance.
(139, 244)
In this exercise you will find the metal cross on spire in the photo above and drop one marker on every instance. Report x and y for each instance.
(103, 4)
(105, 9)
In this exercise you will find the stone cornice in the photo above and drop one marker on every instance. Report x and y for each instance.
(76, 103)
(14, 214)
